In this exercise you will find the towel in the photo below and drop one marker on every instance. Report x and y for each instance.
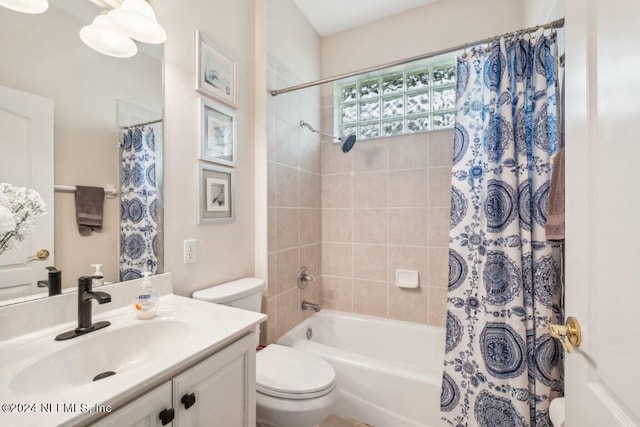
(89, 209)
(555, 215)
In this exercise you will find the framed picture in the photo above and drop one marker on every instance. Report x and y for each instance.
(216, 71)
(217, 133)
(216, 194)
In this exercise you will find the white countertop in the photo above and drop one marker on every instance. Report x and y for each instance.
(213, 327)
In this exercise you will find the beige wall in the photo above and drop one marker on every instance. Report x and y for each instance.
(225, 250)
(537, 12)
(293, 160)
(43, 55)
(430, 28)
(386, 203)
(292, 40)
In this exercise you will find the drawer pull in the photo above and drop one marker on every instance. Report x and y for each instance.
(167, 415)
(188, 400)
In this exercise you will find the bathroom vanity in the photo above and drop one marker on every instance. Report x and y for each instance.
(219, 391)
(193, 364)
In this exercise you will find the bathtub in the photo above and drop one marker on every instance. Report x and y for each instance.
(388, 371)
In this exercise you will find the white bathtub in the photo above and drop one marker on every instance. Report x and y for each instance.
(389, 372)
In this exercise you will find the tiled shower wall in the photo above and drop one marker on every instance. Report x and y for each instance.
(354, 218)
(294, 209)
(385, 206)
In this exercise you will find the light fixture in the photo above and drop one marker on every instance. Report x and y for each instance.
(136, 19)
(26, 6)
(101, 36)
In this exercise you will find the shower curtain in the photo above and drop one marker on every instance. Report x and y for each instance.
(139, 204)
(501, 365)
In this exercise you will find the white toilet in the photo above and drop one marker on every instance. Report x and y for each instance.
(293, 388)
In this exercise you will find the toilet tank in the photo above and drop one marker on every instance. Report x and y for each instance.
(243, 293)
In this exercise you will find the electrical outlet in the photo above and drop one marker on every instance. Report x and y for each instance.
(190, 253)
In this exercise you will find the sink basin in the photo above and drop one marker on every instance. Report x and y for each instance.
(108, 352)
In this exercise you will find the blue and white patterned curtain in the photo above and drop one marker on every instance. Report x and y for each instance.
(139, 204)
(501, 366)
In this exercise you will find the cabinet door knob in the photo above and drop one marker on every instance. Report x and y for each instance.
(188, 400)
(167, 415)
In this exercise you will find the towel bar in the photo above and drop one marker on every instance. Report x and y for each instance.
(110, 192)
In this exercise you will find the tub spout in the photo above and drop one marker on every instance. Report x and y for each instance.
(306, 305)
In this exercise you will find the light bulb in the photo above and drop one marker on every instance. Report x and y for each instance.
(26, 6)
(136, 19)
(101, 36)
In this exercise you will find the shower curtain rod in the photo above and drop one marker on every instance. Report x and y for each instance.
(551, 25)
(143, 124)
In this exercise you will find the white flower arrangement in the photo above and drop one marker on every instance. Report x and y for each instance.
(19, 208)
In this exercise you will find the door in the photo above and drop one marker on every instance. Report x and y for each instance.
(603, 210)
(26, 160)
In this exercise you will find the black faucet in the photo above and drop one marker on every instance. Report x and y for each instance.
(54, 281)
(85, 295)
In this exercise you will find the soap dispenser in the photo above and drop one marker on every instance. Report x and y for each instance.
(97, 282)
(146, 300)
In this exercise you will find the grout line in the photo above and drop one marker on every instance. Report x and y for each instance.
(388, 215)
(353, 266)
(429, 231)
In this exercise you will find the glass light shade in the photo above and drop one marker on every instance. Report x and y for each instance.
(26, 6)
(101, 36)
(136, 19)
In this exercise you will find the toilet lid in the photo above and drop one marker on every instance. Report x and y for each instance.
(230, 291)
(293, 374)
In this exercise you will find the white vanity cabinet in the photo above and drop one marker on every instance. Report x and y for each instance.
(218, 391)
(143, 411)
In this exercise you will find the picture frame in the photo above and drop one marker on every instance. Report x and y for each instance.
(218, 133)
(216, 199)
(216, 71)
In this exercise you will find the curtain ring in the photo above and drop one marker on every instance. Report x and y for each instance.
(464, 52)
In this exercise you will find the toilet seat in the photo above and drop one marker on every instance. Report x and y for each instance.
(287, 373)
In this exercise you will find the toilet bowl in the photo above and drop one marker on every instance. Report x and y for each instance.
(293, 388)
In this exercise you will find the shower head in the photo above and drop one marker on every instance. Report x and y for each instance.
(347, 143)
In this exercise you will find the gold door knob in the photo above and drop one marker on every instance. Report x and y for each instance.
(40, 255)
(569, 334)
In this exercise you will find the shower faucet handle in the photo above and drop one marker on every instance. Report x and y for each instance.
(304, 277)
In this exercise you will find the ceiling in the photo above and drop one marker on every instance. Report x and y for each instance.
(332, 16)
(326, 16)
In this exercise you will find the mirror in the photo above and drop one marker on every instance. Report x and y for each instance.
(94, 97)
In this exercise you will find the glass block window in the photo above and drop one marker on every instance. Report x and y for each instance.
(415, 97)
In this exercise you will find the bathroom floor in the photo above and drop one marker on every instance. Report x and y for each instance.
(336, 421)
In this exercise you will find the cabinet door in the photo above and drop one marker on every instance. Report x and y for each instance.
(219, 391)
(142, 412)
